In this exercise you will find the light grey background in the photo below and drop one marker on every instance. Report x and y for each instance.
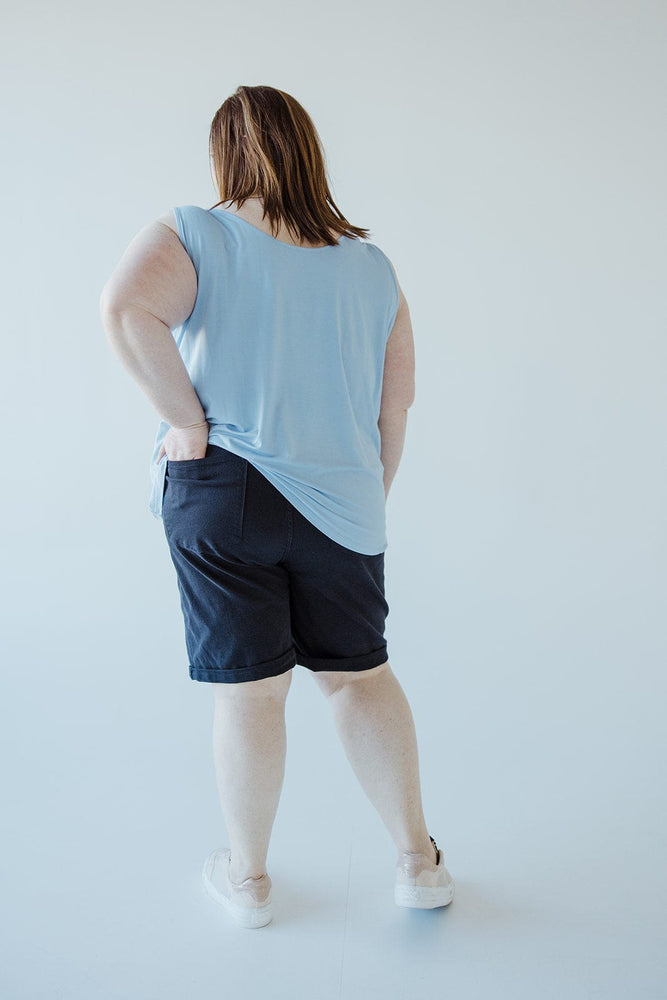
(511, 160)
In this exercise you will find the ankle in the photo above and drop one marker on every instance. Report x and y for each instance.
(429, 851)
(243, 872)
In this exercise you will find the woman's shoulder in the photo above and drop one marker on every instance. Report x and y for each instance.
(169, 219)
(187, 212)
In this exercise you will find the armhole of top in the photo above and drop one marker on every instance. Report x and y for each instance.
(192, 232)
(180, 223)
(394, 284)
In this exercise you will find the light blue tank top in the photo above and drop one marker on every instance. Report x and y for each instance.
(285, 349)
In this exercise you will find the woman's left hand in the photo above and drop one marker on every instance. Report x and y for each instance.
(182, 443)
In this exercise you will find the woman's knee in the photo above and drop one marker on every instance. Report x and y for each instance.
(331, 681)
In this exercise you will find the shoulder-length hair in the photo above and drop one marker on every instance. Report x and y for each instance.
(263, 144)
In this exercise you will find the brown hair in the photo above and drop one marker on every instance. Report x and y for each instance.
(263, 144)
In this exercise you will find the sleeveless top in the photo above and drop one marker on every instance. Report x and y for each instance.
(285, 349)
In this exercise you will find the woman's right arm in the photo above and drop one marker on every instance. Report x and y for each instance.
(398, 390)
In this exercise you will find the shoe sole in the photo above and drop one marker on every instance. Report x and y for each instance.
(422, 897)
(243, 915)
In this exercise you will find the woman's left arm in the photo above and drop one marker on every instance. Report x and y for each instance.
(151, 291)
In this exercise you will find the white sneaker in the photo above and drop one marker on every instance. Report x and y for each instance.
(421, 883)
(248, 902)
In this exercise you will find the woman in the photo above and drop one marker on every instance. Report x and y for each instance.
(277, 348)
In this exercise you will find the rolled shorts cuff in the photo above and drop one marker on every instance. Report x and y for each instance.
(363, 662)
(235, 675)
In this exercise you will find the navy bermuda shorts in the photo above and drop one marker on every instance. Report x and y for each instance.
(261, 588)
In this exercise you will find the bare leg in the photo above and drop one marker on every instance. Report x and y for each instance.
(249, 749)
(375, 724)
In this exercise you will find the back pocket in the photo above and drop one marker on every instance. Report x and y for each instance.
(203, 500)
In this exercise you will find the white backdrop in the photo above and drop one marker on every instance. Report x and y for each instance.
(510, 159)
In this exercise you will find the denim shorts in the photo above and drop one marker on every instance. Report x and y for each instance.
(261, 588)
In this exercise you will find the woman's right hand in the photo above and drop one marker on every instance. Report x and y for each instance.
(183, 443)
